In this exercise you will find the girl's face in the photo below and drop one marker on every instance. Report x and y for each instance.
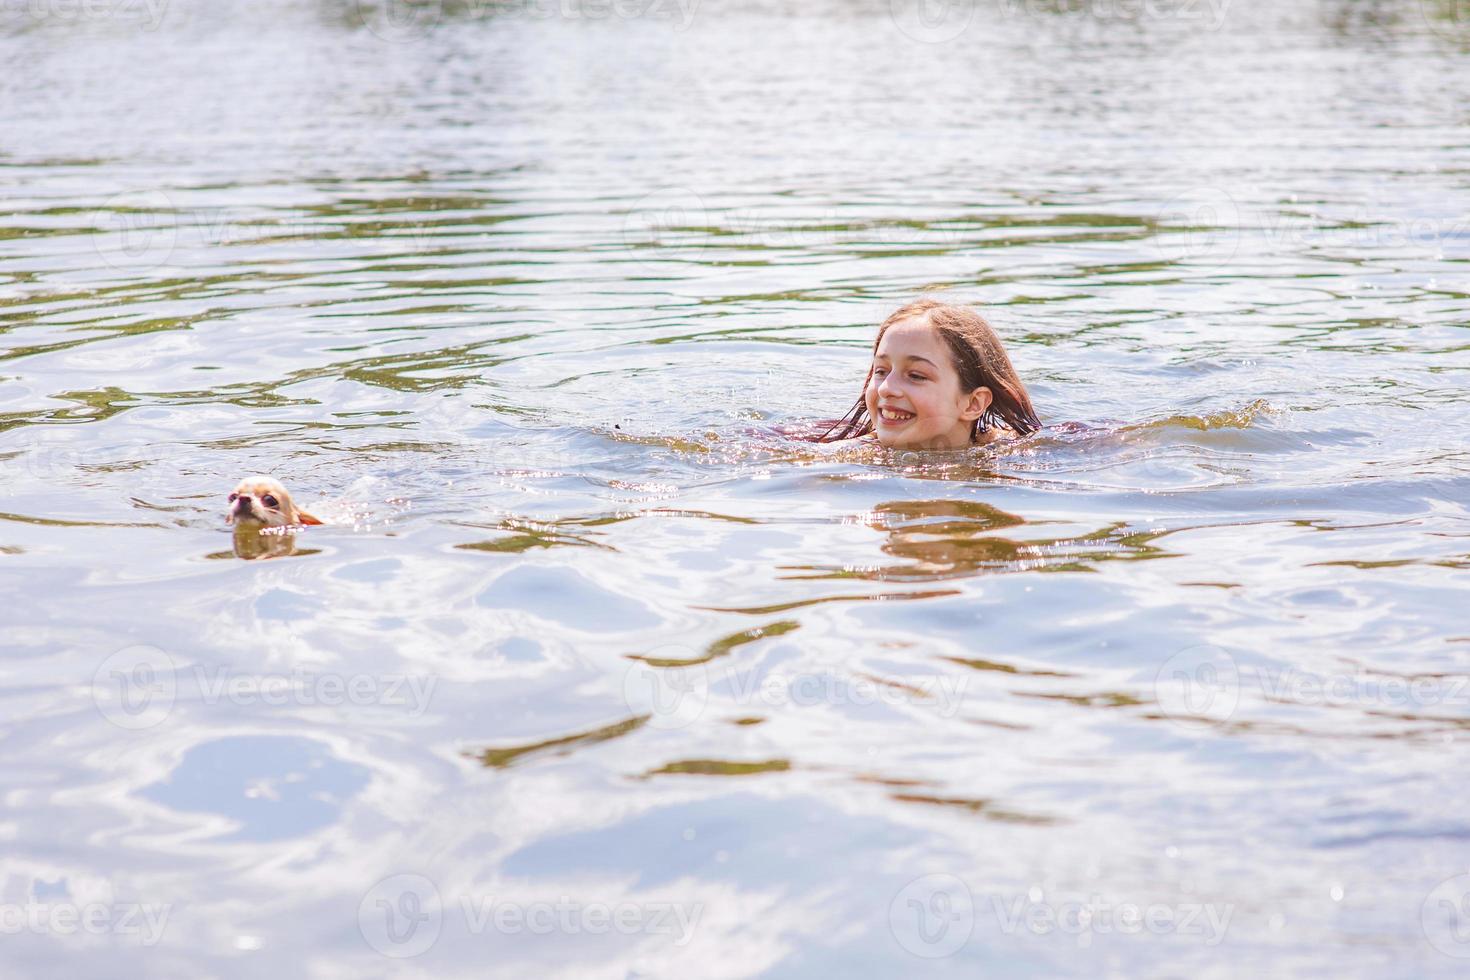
(914, 397)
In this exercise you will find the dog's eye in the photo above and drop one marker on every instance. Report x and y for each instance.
(270, 501)
(233, 496)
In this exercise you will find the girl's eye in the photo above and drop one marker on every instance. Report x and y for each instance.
(880, 372)
(915, 376)
(269, 501)
(234, 497)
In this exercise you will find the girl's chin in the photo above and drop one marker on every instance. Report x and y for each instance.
(896, 440)
(895, 433)
(906, 440)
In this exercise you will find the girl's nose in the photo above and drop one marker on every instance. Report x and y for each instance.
(887, 384)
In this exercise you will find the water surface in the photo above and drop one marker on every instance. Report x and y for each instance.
(596, 674)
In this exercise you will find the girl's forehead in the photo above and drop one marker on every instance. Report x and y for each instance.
(914, 335)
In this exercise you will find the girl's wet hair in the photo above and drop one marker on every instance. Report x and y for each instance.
(978, 357)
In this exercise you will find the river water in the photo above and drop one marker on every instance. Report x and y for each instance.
(594, 672)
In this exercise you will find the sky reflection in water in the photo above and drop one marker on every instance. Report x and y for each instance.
(597, 673)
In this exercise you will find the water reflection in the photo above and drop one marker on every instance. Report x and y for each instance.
(552, 302)
(264, 788)
(986, 809)
(718, 767)
(252, 545)
(499, 758)
(945, 539)
(723, 646)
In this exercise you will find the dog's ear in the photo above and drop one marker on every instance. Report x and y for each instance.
(302, 517)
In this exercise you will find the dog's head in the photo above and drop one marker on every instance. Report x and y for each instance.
(260, 501)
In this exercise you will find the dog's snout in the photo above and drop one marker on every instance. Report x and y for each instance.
(242, 502)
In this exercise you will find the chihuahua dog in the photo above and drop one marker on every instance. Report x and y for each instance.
(258, 503)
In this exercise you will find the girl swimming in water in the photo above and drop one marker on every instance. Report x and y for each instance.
(940, 379)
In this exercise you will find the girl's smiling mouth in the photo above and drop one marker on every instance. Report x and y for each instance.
(893, 416)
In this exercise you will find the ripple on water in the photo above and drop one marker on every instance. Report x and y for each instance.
(1196, 643)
